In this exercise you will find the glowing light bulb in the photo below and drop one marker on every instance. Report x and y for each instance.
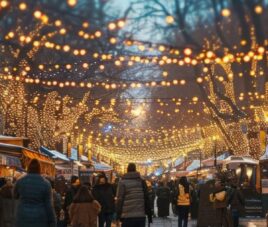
(187, 51)
(226, 12)
(66, 48)
(22, 6)
(98, 34)
(113, 40)
(112, 26)
(37, 14)
(72, 3)
(4, 3)
(121, 23)
(170, 19)
(258, 9)
(199, 80)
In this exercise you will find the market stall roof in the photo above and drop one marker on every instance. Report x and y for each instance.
(84, 158)
(100, 166)
(159, 171)
(240, 159)
(54, 154)
(179, 161)
(34, 155)
(210, 161)
(20, 141)
(78, 163)
(194, 165)
(18, 151)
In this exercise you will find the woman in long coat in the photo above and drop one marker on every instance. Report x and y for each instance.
(163, 200)
(35, 199)
(84, 210)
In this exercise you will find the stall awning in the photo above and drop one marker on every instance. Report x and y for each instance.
(194, 165)
(210, 161)
(159, 171)
(179, 161)
(54, 154)
(40, 157)
(240, 159)
(102, 167)
(11, 161)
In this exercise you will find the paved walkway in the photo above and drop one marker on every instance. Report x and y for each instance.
(173, 222)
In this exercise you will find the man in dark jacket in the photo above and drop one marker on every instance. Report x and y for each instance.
(104, 193)
(7, 205)
(133, 203)
(35, 199)
(237, 204)
(163, 200)
(70, 194)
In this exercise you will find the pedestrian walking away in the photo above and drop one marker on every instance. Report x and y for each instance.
(35, 199)
(133, 204)
(84, 209)
(104, 193)
(163, 200)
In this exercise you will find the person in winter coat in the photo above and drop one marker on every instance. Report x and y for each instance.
(183, 201)
(237, 203)
(7, 190)
(70, 194)
(7, 205)
(221, 205)
(163, 200)
(57, 205)
(194, 201)
(84, 209)
(104, 193)
(35, 199)
(151, 195)
(133, 204)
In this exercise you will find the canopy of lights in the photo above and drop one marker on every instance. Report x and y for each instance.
(135, 80)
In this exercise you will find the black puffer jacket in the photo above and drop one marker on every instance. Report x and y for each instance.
(105, 195)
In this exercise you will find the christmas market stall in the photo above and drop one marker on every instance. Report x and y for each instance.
(89, 174)
(14, 154)
(63, 164)
(9, 166)
(247, 174)
(20, 141)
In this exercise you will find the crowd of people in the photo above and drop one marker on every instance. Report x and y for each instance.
(33, 201)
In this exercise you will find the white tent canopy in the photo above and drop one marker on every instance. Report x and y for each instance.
(102, 166)
(234, 162)
(179, 161)
(194, 165)
(240, 159)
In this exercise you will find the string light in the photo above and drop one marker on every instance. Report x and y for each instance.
(123, 147)
(226, 12)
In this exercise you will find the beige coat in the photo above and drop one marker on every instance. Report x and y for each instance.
(84, 214)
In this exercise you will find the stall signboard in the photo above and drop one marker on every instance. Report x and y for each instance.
(10, 161)
(74, 154)
(68, 172)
